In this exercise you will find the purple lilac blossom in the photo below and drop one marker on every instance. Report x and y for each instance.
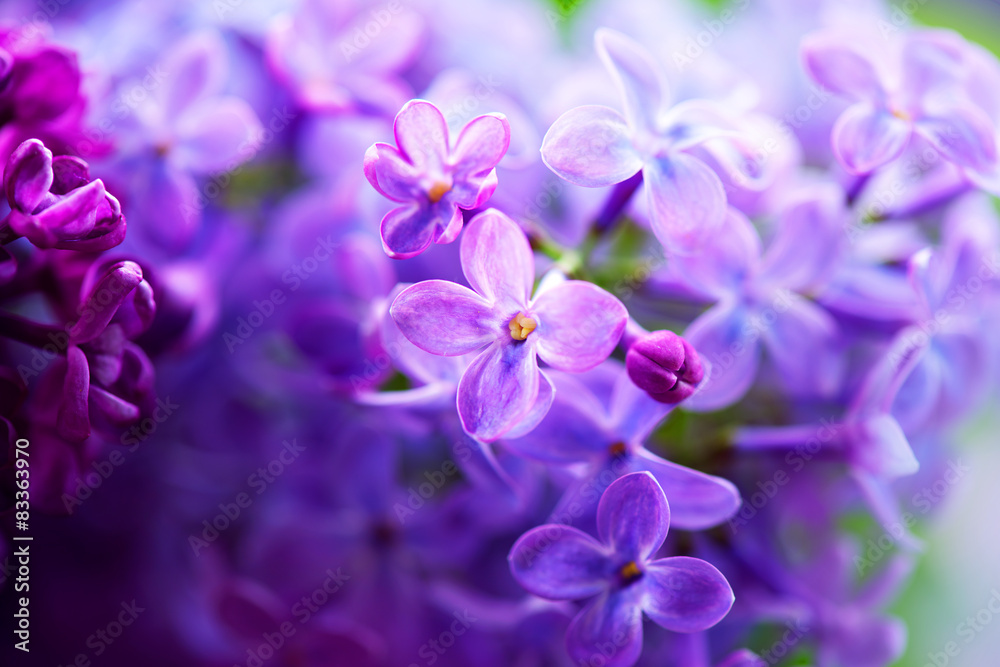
(571, 325)
(437, 179)
(912, 88)
(595, 146)
(562, 563)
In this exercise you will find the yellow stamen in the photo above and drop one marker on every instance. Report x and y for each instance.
(629, 572)
(902, 115)
(521, 326)
(438, 190)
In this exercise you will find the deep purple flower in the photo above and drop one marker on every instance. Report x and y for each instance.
(664, 365)
(116, 304)
(571, 325)
(596, 146)
(913, 90)
(618, 570)
(55, 204)
(40, 94)
(434, 177)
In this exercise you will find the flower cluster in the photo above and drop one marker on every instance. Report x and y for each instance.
(427, 328)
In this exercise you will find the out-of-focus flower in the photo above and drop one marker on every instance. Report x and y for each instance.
(571, 325)
(759, 303)
(187, 127)
(562, 563)
(914, 89)
(40, 94)
(869, 438)
(346, 56)
(435, 178)
(595, 146)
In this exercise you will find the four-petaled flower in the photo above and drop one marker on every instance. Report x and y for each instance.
(595, 146)
(572, 325)
(563, 563)
(435, 178)
(913, 92)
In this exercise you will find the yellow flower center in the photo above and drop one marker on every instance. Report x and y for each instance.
(438, 190)
(902, 115)
(521, 326)
(629, 572)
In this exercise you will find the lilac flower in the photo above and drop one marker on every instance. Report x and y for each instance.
(896, 96)
(619, 571)
(759, 303)
(345, 56)
(187, 127)
(436, 178)
(951, 296)
(99, 381)
(869, 438)
(571, 325)
(117, 305)
(599, 422)
(596, 146)
(55, 204)
(40, 94)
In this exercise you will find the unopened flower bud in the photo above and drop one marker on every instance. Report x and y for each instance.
(664, 365)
